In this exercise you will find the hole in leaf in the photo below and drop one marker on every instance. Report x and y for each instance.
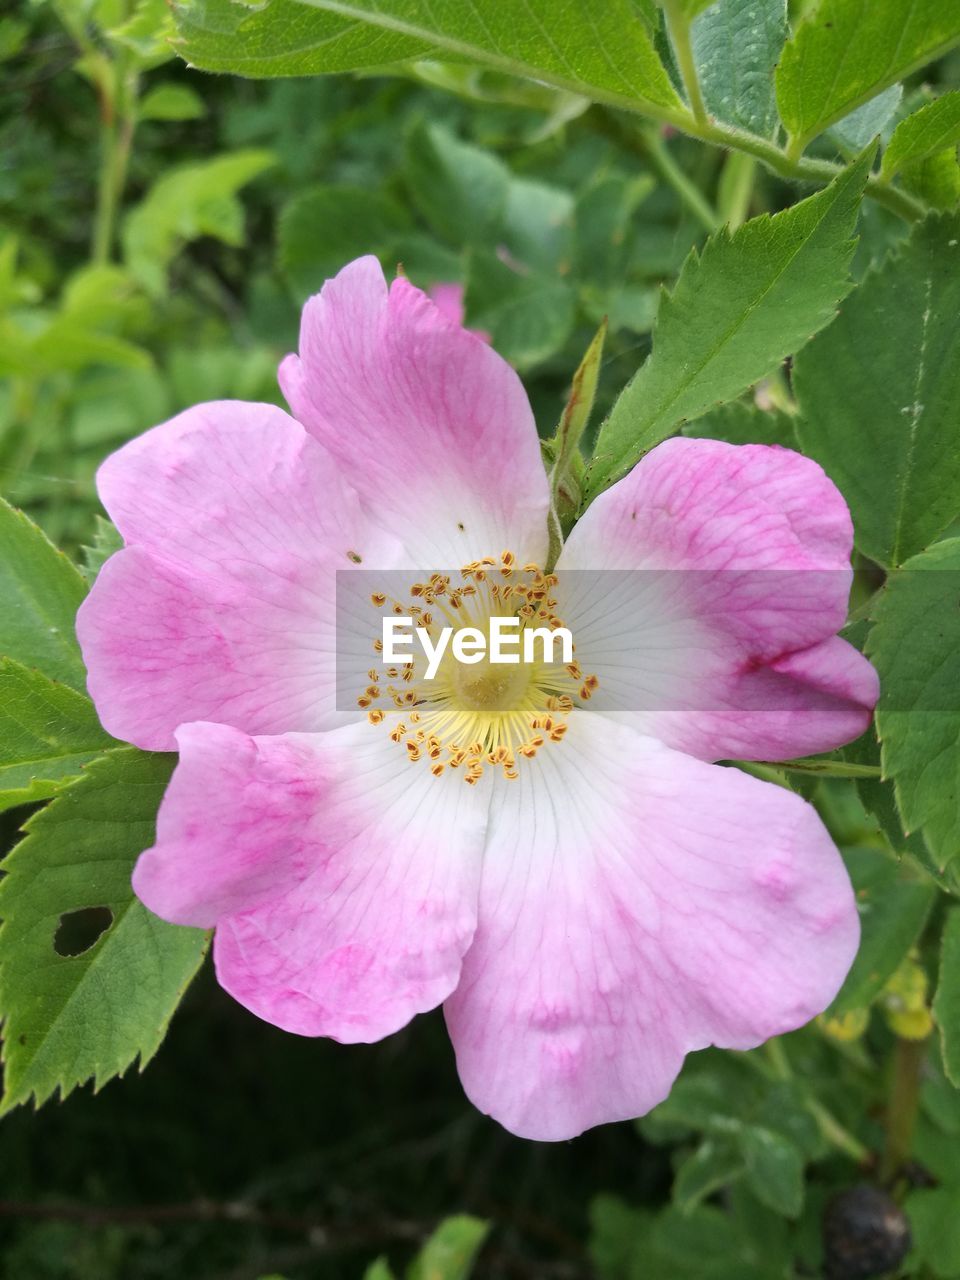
(79, 930)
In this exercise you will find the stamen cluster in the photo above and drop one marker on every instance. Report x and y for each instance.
(473, 716)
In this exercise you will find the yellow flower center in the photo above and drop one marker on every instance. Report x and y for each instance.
(472, 714)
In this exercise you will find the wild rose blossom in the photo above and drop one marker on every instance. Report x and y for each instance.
(588, 911)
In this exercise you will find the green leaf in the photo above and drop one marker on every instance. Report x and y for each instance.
(774, 1169)
(41, 592)
(600, 51)
(48, 732)
(379, 1270)
(936, 1232)
(537, 225)
(106, 540)
(714, 1165)
(742, 423)
(854, 131)
(935, 179)
(460, 189)
(528, 315)
(848, 51)
(604, 214)
(171, 102)
(915, 646)
(946, 1004)
(283, 38)
(323, 228)
(450, 1252)
(186, 202)
(894, 904)
(736, 44)
(70, 1018)
(738, 309)
(931, 129)
(878, 394)
(146, 33)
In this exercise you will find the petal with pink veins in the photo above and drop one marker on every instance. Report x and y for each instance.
(637, 904)
(223, 604)
(341, 879)
(705, 590)
(429, 424)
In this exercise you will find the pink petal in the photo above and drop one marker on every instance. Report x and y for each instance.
(448, 299)
(430, 425)
(637, 904)
(222, 607)
(342, 879)
(714, 627)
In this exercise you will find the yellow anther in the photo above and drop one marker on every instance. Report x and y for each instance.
(379, 599)
(375, 716)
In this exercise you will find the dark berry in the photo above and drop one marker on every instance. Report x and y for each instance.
(865, 1234)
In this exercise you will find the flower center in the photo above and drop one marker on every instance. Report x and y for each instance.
(469, 710)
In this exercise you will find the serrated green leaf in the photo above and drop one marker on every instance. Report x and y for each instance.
(283, 38)
(186, 202)
(946, 1003)
(915, 646)
(48, 732)
(323, 228)
(894, 904)
(738, 309)
(736, 44)
(460, 189)
(68, 1019)
(602, 52)
(106, 540)
(450, 1252)
(41, 592)
(931, 129)
(879, 393)
(774, 1169)
(848, 51)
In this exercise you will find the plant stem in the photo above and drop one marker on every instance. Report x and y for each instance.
(674, 177)
(678, 25)
(769, 154)
(903, 1104)
(831, 1128)
(736, 189)
(118, 121)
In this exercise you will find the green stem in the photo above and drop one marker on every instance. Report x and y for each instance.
(678, 25)
(835, 1133)
(736, 189)
(903, 1104)
(118, 122)
(674, 176)
(769, 155)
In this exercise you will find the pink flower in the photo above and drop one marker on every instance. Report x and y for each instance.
(621, 900)
(448, 299)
